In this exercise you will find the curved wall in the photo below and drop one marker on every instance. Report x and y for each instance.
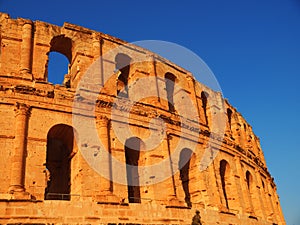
(45, 175)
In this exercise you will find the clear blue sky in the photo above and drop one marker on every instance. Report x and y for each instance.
(253, 48)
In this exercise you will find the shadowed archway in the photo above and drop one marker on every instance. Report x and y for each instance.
(132, 154)
(60, 141)
(184, 167)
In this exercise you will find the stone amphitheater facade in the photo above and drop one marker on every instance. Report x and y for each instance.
(48, 174)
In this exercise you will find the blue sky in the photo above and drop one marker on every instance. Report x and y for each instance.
(253, 48)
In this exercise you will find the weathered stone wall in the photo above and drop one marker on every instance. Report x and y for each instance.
(236, 188)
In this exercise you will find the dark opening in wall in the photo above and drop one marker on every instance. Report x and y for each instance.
(184, 167)
(57, 67)
(204, 96)
(60, 140)
(229, 116)
(224, 172)
(59, 59)
(170, 84)
(248, 180)
(132, 154)
(122, 62)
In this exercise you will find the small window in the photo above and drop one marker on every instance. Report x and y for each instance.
(204, 97)
(59, 59)
(57, 68)
(224, 167)
(248, 180)
(184, 167)
(170, 84)
(132, 154)
(122, 68)
(229, 116)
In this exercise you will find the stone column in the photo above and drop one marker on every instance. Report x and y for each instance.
(154, 71)
(214, 192)
(274, 200)
(22, 113)
(26, 50)
(259, 204)
(269, 199)
(172, 198)
(191, 82)
(172, 194)
(106, 192)
(96, 45)
(280, 214)
(240, 176)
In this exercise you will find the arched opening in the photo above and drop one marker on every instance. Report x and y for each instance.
(184, 167)
(122, 62)
(170, 84)
(229, 116)
(263, 185)
(59, 59)
(57, 68)
(248, 180)
(224, 173)
(132, 154)
(60, 141)
(250, 191)
(204, 96)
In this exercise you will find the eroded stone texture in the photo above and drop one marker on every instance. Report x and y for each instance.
(44, 178)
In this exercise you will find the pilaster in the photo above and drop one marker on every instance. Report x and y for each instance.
(26, 50)
(22, 114)
(106, 192)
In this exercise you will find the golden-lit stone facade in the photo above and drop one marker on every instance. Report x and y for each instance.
(44, 177)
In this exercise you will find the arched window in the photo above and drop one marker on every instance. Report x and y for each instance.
(204, 96)
(60, 141)
(184, 167)
(263, 185)
(248, 180)
(251, 194)
(170, 84)
(122, 62)
(57, 68)
(132, 154)
(229, 116)
(59, 59)
(224, 173)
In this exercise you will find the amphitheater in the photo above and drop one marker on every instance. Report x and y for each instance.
(127, 138)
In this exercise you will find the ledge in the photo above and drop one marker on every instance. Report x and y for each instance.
(113, 203)
(253, 217)
(177, 207)
(228, 212)
(20, 200)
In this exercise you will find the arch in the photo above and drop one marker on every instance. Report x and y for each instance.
(204, 97)
(184, 167)
(225, 176)
(245, 127)
(133, 146)
(229, 117)
(60, 140)
(58, 67)
(62, 45)
(122, 62)
(249, 180)
(170, 84)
